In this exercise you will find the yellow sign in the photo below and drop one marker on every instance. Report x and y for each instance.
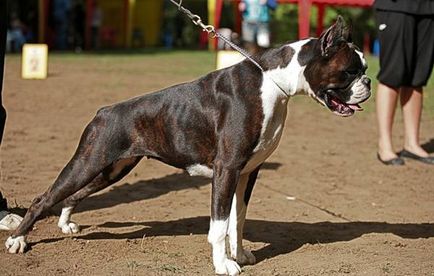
(35, 61)
(228, 58)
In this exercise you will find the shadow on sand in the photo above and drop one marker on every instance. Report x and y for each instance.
(280, 237)
(147, 189)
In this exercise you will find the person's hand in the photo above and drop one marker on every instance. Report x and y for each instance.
(263, 2)
(242, 6)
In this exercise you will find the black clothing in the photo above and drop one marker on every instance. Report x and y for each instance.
(419, 7)
(406, 42)
(406, 48)
(3, 24)
(3, 30)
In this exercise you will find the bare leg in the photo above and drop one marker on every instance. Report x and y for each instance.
(386, 100)
(411, 102)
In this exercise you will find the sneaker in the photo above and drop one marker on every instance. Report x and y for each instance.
(9, 221)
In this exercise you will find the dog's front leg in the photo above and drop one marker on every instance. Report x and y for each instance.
(238, 216)
(223, 188)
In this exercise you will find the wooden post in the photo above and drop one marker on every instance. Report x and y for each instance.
(320, 19)
(211, 20)
(238, 17)
(42, 19)
(218, 15)
(129, 22)
(303, 18)
(87, 28)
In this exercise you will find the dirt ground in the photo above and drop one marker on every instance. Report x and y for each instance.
(323, 204)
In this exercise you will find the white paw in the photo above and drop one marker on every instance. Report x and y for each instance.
(246, 258)
(16, 245)
(228, 268)
(70, 228)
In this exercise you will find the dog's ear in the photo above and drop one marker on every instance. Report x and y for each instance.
(337, 32)
(347, 32)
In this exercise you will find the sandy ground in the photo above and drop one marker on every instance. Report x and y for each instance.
(350, 216)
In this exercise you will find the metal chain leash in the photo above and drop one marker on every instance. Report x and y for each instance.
(210, 29)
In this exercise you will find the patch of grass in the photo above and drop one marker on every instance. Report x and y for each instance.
(386, 268)
(171, 268)
(168, 62)
(132, 266)
(195, 63)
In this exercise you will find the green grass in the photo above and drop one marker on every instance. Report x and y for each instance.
(167, 61)
(196, 63)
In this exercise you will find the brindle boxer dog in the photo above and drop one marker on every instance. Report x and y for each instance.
(223, 125)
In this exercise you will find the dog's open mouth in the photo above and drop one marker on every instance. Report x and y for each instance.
(340, 108)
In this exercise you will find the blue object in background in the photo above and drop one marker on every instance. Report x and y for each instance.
(376, 48)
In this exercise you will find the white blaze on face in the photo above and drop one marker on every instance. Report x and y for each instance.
(359, 91)
(362, 58)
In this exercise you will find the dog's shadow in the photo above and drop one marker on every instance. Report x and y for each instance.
(147, 189)
(280, 237)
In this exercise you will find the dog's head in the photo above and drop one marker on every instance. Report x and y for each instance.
(335, 70)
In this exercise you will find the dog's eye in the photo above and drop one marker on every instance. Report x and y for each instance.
(351, 72)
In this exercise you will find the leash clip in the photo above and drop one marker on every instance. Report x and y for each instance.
(210, 29)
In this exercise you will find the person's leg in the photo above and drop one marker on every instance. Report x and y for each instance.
(412, 95)
(395, 30)
(3, 30)
(3, 16)
(3, 203)
(386, 100)
(411, 102)
(8, 221)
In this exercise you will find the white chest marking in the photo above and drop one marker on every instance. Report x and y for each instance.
(274, 108)
(274, 105)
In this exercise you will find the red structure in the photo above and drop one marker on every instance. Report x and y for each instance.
(304, 7)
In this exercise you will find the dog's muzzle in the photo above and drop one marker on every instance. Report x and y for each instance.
(359, 90)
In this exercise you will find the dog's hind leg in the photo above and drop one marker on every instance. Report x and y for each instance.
(238, 216)
(90, 159)
(70, 180)
(109, 176)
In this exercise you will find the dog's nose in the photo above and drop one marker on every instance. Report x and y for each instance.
(367, 81)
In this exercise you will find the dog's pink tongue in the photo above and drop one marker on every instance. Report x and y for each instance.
(355, 107)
